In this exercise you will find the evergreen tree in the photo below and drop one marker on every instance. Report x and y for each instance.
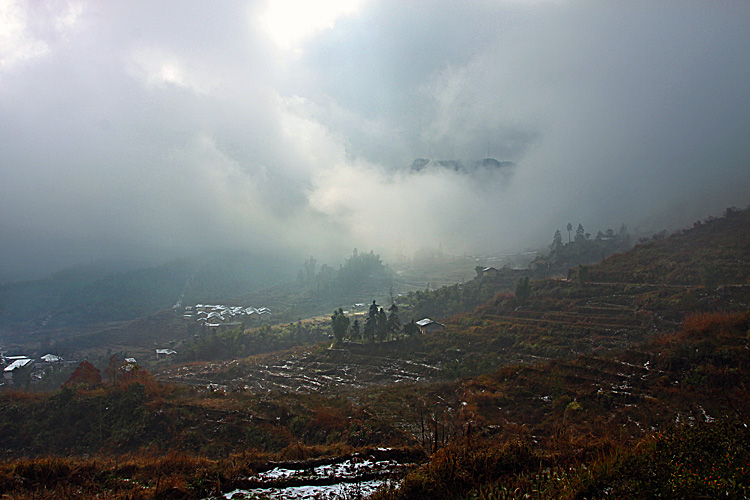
(556, 241)
(381, 325)
(394, 322)
(580, 233)
(355, 331)
(371, 322)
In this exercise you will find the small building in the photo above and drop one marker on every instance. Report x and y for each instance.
(427, 325)
(265, 314)
(16, 366)
(165, 353)
(10, 359)
(51, 358)
(215, 316)
(539, 264)
(490, 271)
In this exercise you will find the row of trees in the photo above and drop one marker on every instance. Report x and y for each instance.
(583, 249)
(582, 235)
(378, 325)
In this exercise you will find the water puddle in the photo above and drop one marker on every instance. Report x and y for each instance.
(348, 491)
(351, 477)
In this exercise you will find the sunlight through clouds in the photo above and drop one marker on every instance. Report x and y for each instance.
(26, 35)
(303, 125)
(290, 22)
(160, 68)
(16, 43)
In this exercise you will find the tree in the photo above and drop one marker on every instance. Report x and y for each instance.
(339, 325)
(580, 233)
(371, 322)
(394, 322)
(479, 270)
(113, 369)
(570, 228)
(309, 268)
(355, 331)
(85, 374)
(556, 241)
(523, 290)
(361, 272)
(381, 325)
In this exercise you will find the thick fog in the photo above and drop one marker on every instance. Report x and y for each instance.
(140, 129)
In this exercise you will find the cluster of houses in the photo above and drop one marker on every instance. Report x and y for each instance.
(15, 366)
(215, 316)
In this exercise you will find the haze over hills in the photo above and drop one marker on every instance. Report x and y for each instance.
(98, 294)
(586, 376)
(125, 139)
(248, 247)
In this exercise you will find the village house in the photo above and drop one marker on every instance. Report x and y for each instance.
(215, 316)
(490, 272)
(165, 353)
(17, 364)
(427, 325)
(539, 263)
(264, 313)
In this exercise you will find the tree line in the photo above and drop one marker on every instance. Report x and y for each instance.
(378, 325)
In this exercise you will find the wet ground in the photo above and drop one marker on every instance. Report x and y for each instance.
(349, 477)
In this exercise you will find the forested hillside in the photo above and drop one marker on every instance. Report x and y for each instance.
(92, 294)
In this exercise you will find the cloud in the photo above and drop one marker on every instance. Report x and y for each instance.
(159, 67)
(290, 22)
(28, 30)
(140, 128)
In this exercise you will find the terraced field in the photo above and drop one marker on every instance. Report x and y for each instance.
(309, 370)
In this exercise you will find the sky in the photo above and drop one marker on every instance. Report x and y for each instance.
(144, 130)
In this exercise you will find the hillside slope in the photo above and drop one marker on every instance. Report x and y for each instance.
(713, 252)
(601, 309)
(666, 414)
(583, 389)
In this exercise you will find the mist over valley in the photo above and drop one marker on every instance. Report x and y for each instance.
(387, 250)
